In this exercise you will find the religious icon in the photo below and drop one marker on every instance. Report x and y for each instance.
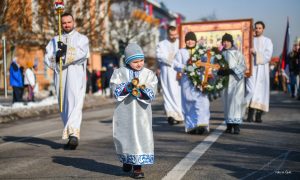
(209, 34)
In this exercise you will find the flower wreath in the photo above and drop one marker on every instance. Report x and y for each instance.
(195, 69)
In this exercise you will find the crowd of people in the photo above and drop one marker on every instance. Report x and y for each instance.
(242, 92)
(134, 87)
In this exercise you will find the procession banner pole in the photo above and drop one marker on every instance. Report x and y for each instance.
(59, 7)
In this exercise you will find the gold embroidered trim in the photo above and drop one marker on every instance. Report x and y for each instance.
(71, 131)
(177, 116)
(71, 54)
(259, 106)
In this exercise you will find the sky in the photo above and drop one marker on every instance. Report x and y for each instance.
(273, 13)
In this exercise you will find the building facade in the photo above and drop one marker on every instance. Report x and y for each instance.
(32, 23)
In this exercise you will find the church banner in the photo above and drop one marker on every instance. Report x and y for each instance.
(209, 34)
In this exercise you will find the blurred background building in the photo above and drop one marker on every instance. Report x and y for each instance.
(28, 25)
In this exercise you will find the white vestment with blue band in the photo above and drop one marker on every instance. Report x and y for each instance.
(234, 95)
(132, 119)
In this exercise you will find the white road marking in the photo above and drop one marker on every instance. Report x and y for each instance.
(190, 159)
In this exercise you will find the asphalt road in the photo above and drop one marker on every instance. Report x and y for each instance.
(33, 149)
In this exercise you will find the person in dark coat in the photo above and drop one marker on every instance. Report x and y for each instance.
(16, 80)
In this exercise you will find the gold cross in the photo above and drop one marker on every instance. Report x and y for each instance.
(207, 65)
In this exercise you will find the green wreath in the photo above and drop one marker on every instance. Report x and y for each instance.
(196, 72)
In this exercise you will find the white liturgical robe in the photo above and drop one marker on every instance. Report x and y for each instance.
(258, 85)
(234, 94)
(195, 104)
(132, 119)
(165, 53)
(73, 78)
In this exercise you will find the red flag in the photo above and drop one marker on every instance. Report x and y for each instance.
(286, 43)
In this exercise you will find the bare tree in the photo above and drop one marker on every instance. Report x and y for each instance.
(127, 24)
(33, 24)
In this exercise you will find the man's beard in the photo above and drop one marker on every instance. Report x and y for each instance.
(172, 39)
(69, 30)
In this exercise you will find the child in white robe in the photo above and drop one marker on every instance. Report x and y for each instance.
(134, 87)
(195, 104)
(234, 94)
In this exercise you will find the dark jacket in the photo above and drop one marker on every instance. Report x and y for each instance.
(16, 75)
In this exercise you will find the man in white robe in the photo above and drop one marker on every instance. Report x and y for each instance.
(73, 49)
(258, 85)
(165, 52)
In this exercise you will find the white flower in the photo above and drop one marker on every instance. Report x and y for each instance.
(201, 51)
(219, 86)
(195, 83)
(212, 53)
(209, 87)
(194, 58)
(190, 68)
(192, 73)
(219, 56)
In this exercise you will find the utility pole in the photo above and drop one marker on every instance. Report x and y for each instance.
(4, 65)
(4, 28)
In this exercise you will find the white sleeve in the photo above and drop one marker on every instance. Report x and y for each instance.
(265, 56)
(178, 63)
(162, 55)
(49, 59)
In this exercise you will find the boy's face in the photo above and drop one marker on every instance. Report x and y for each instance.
(137, 64)
(190, 43)
(227, 44)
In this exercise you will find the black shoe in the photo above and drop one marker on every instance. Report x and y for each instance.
(250, 115)
(138, 174)
(293, 96)
(229, 128)
(258, 116)
(171, 120)
(179, 122)
(192, 131)
(236, 129)
(126, 167)
(73, 142)
(200, 130)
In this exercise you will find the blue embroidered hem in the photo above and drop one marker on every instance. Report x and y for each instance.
(234, 121)
(136, 159)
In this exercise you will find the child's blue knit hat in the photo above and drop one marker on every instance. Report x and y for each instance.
(133, 52)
